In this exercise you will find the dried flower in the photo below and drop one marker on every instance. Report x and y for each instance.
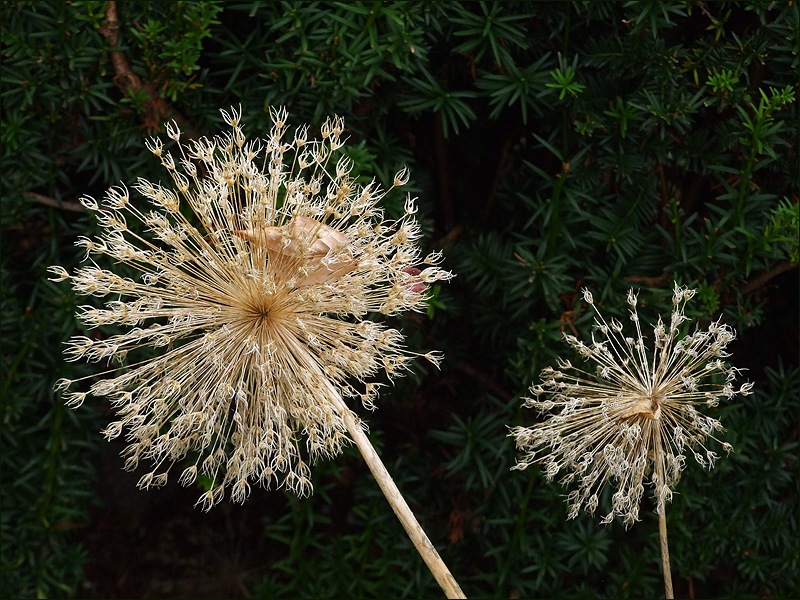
(636, 416)
(257, 272)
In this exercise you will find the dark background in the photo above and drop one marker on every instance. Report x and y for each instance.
(553, 146)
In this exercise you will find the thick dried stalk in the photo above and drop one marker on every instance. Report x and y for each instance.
(400, 507)
(662, 534)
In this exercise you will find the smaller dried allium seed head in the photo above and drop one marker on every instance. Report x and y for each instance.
(635, 416)
(259, 301)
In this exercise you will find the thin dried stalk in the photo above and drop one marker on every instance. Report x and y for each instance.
(400, 507)
(662, 534)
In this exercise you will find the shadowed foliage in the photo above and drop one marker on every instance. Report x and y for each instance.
(553, 146)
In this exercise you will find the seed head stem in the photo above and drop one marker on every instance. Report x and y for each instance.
(400, 507)
(662, 534)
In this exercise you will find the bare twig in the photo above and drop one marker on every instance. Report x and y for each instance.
(442, 176)
(157, 109)
(500, 175)
(659, 281)
(759, 281)
(483, 379)
(47, 201)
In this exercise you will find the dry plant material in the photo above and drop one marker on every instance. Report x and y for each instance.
(634, 418)
(259, 273)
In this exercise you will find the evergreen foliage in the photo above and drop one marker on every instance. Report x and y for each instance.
(553, 146)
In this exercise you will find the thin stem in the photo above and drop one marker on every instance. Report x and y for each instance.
(662, 534)
(414, 530)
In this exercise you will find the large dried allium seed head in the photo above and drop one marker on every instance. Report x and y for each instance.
(258, 270)
(635, 416)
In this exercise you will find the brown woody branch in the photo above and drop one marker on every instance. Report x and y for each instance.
(760, 280)
(659, 281)
(755, 284)
(47, 201)
(442, 176)
(157, 109)
(493, 387)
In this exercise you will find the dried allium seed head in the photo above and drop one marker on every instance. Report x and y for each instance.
(634, 416)
(257, 276)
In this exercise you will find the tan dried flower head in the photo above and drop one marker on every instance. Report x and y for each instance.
(635, 416)
(258, 271)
